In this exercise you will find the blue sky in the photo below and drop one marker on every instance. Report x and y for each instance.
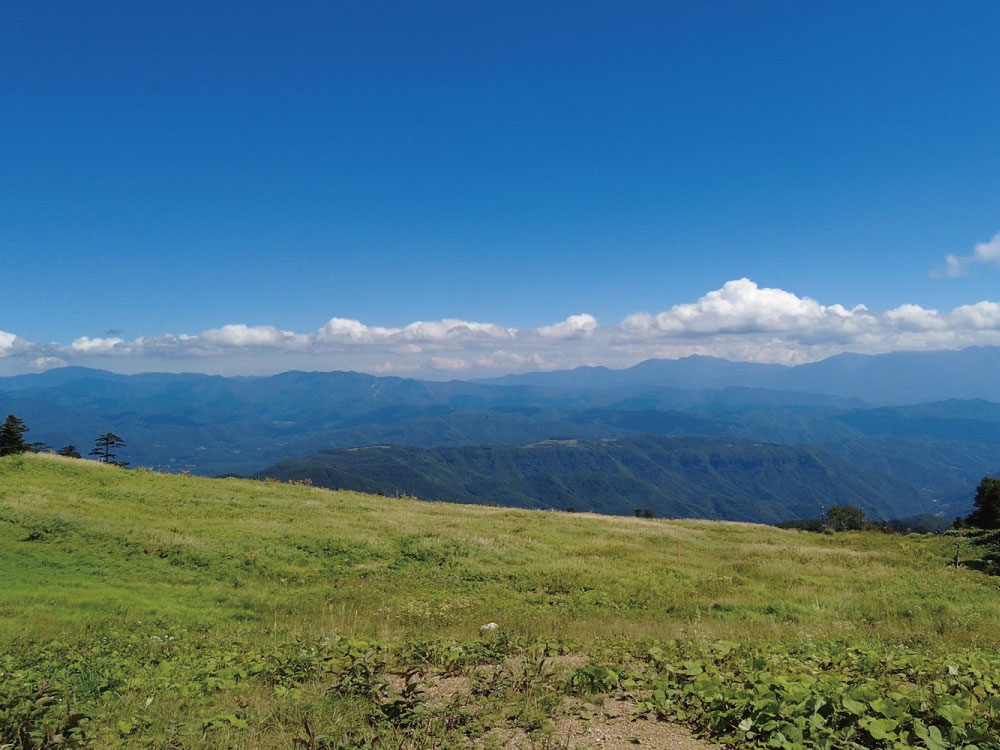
(171, 169)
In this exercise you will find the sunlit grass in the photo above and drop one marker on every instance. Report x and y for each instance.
(82, 542)
(88, 552)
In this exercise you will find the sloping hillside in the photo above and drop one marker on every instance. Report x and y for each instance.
(170, 611)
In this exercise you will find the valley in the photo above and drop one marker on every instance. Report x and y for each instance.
(901, 460)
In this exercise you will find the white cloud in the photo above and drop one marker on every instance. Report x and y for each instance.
(47, 363)
(353, 331)
(574, 325)
(347, 330)
(243, 336)
(740, 321)
(983, 252)
(741, 306)
(916, 318)
(7, 341)
(982, 315)
(450, 328)
(87, 345)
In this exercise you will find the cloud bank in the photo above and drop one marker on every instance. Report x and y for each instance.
(740, 321)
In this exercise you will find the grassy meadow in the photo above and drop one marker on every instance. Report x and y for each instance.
(144, 610)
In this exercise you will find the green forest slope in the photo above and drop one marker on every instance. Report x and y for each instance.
(674, 477)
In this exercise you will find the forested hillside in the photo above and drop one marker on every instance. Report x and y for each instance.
(671, 476)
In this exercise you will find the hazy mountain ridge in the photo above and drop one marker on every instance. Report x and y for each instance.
(212, 425)
(884, 379)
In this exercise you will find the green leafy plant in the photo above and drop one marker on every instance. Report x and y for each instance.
(37, 716)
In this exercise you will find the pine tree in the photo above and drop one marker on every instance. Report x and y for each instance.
(12, 436)
(69, 451)
(104, 446)
(987, 512)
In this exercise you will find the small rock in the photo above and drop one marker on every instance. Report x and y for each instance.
(490, 626)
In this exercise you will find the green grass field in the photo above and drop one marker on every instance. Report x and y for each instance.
(146, 610)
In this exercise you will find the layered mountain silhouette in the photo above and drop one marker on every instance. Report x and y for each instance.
(929, 422)
(895, 378)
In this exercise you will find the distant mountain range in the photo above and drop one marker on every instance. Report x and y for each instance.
(851, 407)
(889, 379)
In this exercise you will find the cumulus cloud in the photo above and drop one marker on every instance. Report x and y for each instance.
(747, 322)
(242, 336)
(87, 345)
(7, 341)
(573, 326)
(983, 316)
(40, 364)
(984, 252)
(348, 330)
(915, 318)
(450, 329)
(741, 306)
(741, 321)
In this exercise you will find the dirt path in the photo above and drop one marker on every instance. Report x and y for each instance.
(610, 728)
(613, 722)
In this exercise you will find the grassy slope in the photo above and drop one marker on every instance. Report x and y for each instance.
(89, 552)
(84, 543)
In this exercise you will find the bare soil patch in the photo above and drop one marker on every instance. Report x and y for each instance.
(611, 727)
